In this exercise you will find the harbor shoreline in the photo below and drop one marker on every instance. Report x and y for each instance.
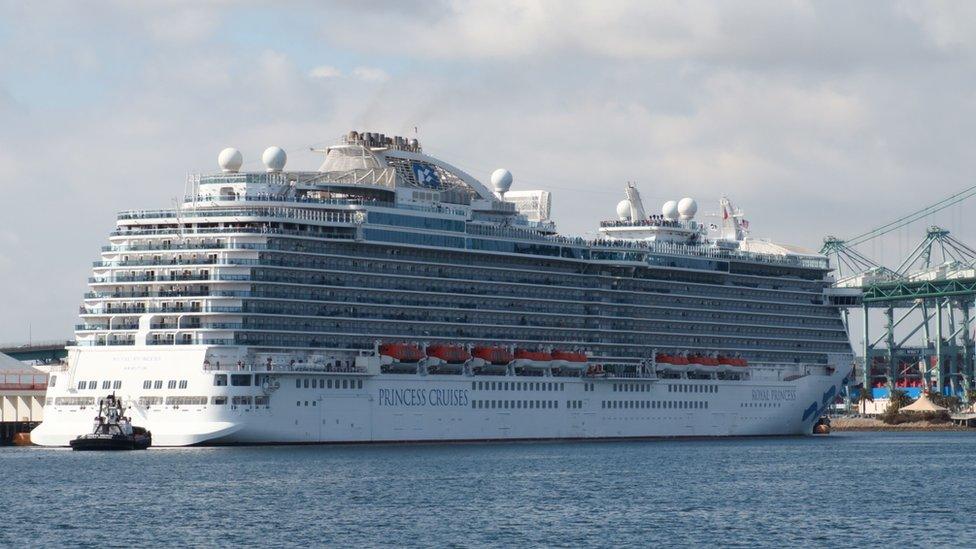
(870, 424)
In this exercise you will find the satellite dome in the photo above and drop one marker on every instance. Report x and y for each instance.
(624, 210)
(274, 158)
(670, 210)
(687, 207)
(501, 180)
(230, 160)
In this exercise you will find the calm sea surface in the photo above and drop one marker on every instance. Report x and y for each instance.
(847, 489)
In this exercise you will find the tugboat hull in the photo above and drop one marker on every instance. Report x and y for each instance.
(110, 443)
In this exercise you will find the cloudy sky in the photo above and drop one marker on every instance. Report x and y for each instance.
(814, 117)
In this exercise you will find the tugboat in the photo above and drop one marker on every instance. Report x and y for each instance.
(113, 430)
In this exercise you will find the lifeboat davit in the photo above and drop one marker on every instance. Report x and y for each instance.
(401, 352)
(569, 359)
(451, 354)
(493, 355)
(532, 359)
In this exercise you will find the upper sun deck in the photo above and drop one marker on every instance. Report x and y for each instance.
(369, 172)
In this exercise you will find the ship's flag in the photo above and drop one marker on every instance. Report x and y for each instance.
(725, 213)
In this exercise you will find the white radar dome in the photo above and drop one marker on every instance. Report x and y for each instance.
(670, 210)
(624, 210)
(230, 160)
(501, 180)
(274, 158)
(687, 208)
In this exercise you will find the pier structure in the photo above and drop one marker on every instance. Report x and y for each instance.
(22, 390)
(926, 304)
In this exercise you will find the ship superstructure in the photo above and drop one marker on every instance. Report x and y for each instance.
(391, 296)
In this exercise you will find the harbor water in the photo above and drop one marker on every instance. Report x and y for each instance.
(847, 489)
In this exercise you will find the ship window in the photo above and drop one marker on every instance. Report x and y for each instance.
(81, 385)
(220, 380)
(92, 385)
(182, 384)
(359, 384)
(240, 380)
(345, 383)
(298, 383)
(474, 385)
(261, 401)
(306, 383)
(117, 384)
(171, 384)
(329, 383)
(53, 381)
(218, 400)
(158, 384)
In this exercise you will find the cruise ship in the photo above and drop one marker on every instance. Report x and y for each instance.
(392, 297)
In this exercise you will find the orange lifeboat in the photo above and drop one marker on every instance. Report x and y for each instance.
(726, 360)
(569, 356)
(708, 361)
(696, 359)
(537, 356)
(451, 354)
(402, 352)
(679, 360)
(740, 362)
(493, 355)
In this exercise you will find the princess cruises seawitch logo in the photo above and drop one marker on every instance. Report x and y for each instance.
(426, 175)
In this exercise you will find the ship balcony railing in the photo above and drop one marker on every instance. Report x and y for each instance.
(203, 326)
(101, 327)
(193, 341)
(189, 199)
(169, 278)
(156, 262)
(273, 212)
(302, 367)
(185, 231)
(108, 343)
(122, 248)
(168, 310)
(177, 293)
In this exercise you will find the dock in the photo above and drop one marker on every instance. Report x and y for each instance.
(22, 393)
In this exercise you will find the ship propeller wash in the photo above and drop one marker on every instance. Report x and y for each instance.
(390, 296)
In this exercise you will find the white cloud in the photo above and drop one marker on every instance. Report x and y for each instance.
(324, 72)
(370, 74)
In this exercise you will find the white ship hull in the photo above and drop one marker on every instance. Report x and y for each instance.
(342, 407)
